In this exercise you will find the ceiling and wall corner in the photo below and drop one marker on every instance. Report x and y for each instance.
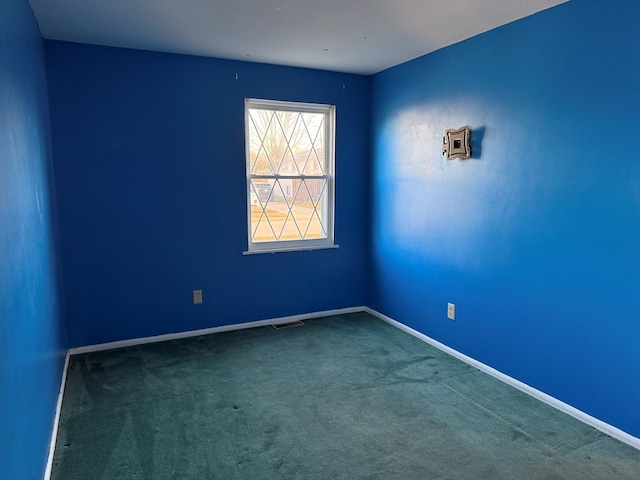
(359, 36)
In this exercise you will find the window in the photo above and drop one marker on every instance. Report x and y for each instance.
(290, 181)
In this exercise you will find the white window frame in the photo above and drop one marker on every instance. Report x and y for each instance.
(328, 211)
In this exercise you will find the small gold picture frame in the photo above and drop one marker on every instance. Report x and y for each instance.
(455, 143)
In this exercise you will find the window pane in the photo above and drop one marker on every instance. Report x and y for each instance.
(286, 143)
(288, 209)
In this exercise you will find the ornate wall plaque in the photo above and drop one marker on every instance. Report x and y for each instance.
(455, 143)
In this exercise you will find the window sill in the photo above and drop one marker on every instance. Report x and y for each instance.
(292, 249)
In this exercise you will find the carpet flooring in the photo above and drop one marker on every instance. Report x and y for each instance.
(342, 397)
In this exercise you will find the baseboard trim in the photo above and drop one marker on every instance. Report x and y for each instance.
(207, 331)
(56, 418)
(548, 399)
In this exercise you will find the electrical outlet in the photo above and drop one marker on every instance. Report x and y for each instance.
(451, 311)
(197, 297)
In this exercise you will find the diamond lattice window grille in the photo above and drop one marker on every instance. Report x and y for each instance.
(289, 174)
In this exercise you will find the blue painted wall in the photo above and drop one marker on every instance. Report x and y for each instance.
(535, 239)
(150, 171)
(32, 336)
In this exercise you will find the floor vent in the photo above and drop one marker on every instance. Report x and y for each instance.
(297, 323)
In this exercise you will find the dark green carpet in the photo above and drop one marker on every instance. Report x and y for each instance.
(344, 397)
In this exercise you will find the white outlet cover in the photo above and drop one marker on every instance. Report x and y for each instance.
(197, 297)
(451, 311)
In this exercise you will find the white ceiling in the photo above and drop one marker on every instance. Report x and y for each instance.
(354, 36)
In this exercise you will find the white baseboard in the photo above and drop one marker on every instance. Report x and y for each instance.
(207, 331)
(548, 399)
(56, 419)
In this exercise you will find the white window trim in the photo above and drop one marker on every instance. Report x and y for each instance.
(328, 151)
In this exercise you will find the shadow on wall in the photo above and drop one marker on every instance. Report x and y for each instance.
(477, 134)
